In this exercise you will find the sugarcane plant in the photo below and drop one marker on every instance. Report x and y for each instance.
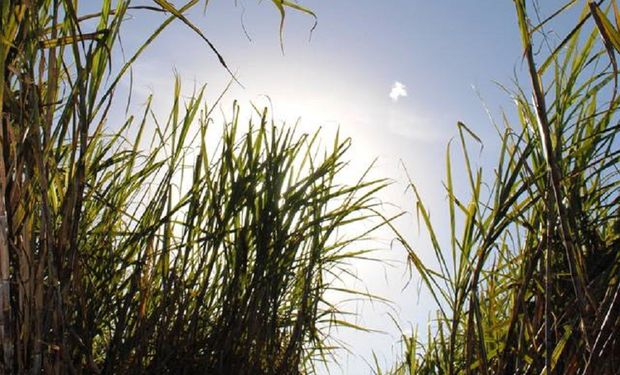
(526, 281)
(141, 246)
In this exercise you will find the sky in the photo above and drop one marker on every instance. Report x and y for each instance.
(394, 75)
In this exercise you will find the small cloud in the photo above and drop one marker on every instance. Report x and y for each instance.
(398, 90)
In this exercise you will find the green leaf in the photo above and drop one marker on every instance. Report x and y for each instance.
(608, 32)
(281, 4)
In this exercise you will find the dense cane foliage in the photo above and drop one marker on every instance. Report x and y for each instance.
(528, 281)
(147, 247)
(141, 247)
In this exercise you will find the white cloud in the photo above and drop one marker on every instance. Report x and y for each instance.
(398, 90)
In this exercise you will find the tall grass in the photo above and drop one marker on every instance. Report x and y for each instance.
(527, 281)
(154, 252)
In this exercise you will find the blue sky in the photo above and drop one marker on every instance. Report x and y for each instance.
(445, 54)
